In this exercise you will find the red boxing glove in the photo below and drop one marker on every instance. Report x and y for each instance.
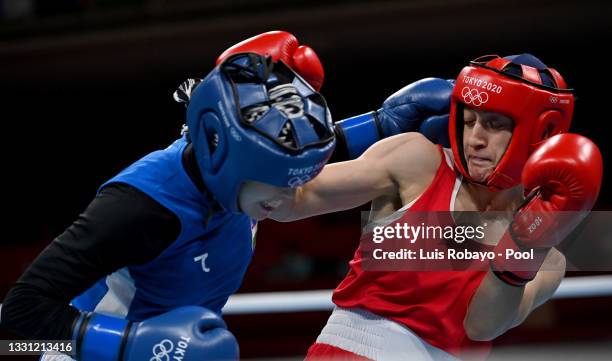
(563, 178)
(281, 45)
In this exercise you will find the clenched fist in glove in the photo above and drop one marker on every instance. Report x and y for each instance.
(283, 46)
(280, 45)
(562, 178)
(422, 106)
(189, 333)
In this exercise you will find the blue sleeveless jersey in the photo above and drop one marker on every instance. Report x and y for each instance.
(203, 266)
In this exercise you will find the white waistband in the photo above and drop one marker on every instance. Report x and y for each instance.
(377, 338)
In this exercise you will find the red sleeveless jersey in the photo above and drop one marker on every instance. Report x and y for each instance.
(432, 304)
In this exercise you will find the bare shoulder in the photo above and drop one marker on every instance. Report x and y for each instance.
(415, 145)
(406, 155)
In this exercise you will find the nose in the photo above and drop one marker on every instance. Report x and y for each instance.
(477, 136)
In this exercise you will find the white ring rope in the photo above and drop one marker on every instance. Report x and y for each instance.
(320, 300)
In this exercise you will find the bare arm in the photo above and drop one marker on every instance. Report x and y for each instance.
(346, 185)
(497, 307)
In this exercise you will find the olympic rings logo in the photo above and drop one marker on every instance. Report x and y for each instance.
(474, 97)
(161, 351)
(298, 181)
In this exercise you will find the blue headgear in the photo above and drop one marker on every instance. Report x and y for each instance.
(253, 119)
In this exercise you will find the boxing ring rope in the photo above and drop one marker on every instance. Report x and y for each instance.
(320, 300)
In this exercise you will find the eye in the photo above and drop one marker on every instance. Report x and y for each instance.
(469, 116)
(469, 122)
(496, 123)
(499, 123)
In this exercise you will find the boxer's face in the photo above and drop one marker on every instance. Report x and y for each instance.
(259, 200)
(486, 136)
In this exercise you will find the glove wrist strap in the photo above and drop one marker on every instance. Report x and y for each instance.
(100, 337)
(359, 133)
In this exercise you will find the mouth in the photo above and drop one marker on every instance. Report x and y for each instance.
(269, 206)
(479, 161)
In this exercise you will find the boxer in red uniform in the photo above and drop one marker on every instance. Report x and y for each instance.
(510, 152)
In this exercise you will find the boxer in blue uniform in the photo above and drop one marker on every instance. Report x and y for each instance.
(144, 272)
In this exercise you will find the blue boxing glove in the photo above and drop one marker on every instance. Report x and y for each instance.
(422, 106)
(188, 333)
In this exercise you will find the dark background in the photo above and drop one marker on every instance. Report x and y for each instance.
(86, 89)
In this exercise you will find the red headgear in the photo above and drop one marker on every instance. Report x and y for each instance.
(539, 111)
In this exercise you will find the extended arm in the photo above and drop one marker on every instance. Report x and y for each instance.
(403, 159)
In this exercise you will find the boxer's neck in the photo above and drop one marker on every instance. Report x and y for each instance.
(476, 197)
